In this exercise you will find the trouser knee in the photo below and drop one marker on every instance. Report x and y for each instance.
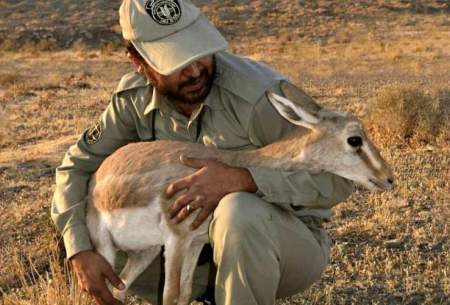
(238, 218)
(239, 212)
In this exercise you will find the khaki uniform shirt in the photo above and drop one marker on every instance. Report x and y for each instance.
(235, 115)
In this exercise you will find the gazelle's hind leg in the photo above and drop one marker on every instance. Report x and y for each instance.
(191, 256)
(104, 246)
(136, 264)
(107, 250)
(100, 236)
(173, 253)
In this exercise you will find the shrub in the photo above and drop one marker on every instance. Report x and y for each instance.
(444, 116)
(408, 115)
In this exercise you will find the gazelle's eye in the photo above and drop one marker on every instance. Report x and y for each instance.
(355, 141)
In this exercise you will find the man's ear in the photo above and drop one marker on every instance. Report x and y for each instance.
(136, 63)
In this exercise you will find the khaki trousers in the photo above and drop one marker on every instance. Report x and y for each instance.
(261, 252)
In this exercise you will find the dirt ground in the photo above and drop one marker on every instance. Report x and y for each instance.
(60, 60)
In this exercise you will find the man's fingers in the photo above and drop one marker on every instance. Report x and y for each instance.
(193, 162)
(98, 300)
(184, 212)
(176, 186)
(113, 278)
(108, 298)
(108, 301)
(103, 296)
(180, 203)
(201, 217)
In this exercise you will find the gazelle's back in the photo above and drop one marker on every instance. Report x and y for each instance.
(138, 173)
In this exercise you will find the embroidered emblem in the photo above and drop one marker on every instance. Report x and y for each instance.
(94, 133)
(164, 12)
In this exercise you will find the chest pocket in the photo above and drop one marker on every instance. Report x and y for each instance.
(220, 129)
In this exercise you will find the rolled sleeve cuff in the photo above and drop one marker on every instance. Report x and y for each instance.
(262, 181)
(285, 187)
(76, 239)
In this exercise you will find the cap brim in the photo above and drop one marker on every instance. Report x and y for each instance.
(181, 48)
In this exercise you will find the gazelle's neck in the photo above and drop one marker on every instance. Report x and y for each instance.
(286, 154)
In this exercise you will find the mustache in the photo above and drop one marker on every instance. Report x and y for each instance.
(193, 80)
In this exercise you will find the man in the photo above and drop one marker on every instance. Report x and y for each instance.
(266, 235)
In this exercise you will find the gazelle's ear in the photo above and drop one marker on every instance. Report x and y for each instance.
(299, 97)
(292, 112)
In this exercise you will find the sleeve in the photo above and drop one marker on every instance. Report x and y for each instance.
(115, 128)
(296, 189)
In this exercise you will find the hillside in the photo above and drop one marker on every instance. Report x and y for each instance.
(64, 23)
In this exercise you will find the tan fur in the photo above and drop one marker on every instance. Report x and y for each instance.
(138, 173)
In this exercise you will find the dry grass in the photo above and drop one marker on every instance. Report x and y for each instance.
(3, 127)
(53, 285)
(376, 59)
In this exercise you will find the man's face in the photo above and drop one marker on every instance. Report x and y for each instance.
(189, 85)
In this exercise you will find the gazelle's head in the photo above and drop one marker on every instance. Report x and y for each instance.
(338, 142)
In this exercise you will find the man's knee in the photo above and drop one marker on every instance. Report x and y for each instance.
(238, 216)
(242, 229)
(240, 211)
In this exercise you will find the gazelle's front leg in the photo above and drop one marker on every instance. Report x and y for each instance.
(191, 256)
(136, 264)
(173, 254)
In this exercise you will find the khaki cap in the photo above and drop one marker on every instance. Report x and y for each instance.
(169, 34)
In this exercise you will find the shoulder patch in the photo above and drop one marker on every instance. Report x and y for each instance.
(244, 77)
(130, 81)
(94, 133)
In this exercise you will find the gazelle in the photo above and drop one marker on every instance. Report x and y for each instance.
(127, 210)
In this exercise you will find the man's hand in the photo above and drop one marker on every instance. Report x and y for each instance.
(205, 188)
(92, 270)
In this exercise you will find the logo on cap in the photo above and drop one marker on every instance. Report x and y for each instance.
(164, 12)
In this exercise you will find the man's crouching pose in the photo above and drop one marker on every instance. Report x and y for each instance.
(266, 232)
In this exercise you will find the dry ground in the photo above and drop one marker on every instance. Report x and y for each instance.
(390, 248)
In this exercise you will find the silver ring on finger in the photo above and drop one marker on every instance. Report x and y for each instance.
(188, 208)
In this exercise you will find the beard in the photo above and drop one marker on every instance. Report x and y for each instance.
(183, 92)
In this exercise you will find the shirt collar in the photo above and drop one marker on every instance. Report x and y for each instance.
(155, 102)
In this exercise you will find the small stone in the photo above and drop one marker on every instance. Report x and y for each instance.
(393, 243)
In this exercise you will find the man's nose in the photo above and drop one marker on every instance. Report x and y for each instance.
(193, 70)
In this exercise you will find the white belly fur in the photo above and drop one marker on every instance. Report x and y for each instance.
(136, 228)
